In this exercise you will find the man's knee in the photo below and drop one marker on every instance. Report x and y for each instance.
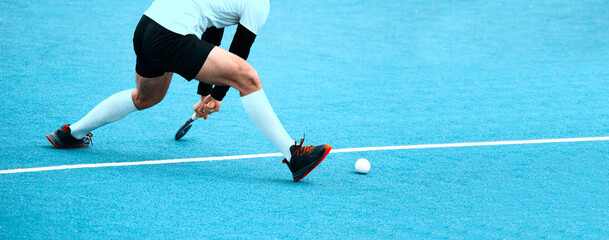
(142, 102)
(150, 91)
(248, 78)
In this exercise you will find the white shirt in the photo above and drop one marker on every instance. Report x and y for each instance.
(195, 16)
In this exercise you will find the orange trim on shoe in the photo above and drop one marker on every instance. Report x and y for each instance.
(78, 147)
(48, 138)
(52, 142)
(327, 148)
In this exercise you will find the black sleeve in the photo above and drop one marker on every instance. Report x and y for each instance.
(240, 46)
(211, 35)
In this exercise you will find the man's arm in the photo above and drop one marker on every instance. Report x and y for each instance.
(211, 35)
(240, 46)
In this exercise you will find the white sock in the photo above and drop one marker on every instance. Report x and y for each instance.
(259, 110)
(110, 110)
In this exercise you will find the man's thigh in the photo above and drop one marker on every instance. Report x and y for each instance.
(222, 68)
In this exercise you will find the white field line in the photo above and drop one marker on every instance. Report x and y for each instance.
(343, 150)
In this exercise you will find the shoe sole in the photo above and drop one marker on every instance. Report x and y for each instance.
(57, 146)
(327, 148)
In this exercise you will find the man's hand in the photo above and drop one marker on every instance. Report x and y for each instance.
(201, 108)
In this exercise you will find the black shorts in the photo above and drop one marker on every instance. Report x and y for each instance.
(159, 50)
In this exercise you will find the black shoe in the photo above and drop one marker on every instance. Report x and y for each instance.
(305, 158)
(63, 139)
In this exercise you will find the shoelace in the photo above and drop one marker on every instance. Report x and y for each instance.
(300, 150)
(303, 150)
(90, 140)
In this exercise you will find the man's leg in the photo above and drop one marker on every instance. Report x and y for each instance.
(111, 109)
(225, 68)
(149, 92)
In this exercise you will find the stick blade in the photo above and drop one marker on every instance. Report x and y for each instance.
(183, 129)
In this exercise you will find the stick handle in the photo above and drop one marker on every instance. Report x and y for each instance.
(210, 105)
(194, 116)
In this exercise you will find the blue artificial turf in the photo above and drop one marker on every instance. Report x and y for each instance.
(347, 73)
